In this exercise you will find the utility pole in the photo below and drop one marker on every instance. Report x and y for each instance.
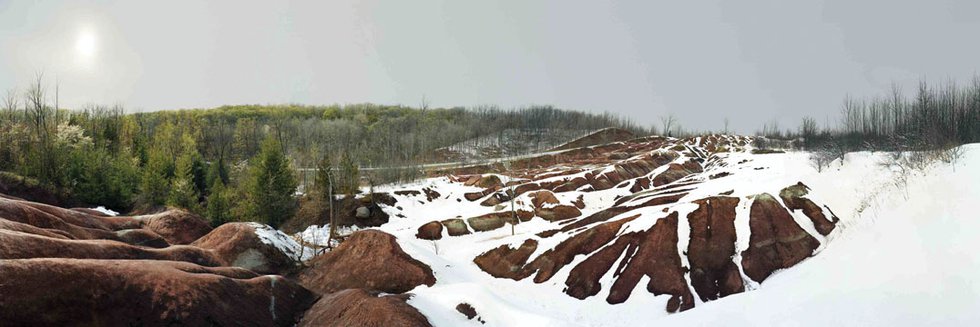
(513, 213)
(333, 224)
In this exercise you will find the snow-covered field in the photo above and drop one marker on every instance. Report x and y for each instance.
(909, 259)
(901, 254)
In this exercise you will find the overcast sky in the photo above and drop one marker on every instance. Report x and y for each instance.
(751, 61)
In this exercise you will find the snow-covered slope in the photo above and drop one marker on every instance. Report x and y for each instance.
(908, 258)
(592, 220)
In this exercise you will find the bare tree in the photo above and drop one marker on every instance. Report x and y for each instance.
(668, 123)
(10, 104)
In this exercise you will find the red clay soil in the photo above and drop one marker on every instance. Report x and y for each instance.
(504, 262)
(357, 307)
(603, 136)
(237, 245)
(18, 245)
(176, 226)
(73, 292)
(777, 242)
(25, 228)
(430, 231)
(794, 198)
(368, 259)
(142, 237)
(711, 248)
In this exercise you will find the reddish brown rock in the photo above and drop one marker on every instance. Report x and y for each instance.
(651, 253)
(794, 198)
(142, 237)
(467, 310)
(540, 198)
(18, 245)
(25, 228)
(368, 259)
(176, 226)
(76, 224)
(496, 220)
(486, 222)
(711, 248)
(579, 202)
(603, 136)
(455, 227)
(655, 256)
(237, 245)
(473, 196)
(139, 293)
(430, 195)
(549, 262)
(489, 182)
(640, 184)
(776, 242)
(430, 231)
(504, 262)
(92, 212)
(558, 213)
(673, 173)
(571, 185)
(357, 307)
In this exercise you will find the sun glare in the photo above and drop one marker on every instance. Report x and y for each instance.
(85, 45)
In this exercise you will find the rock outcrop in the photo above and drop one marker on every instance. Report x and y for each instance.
(370, 260)
(60, 292)
(238, 245)
(777, 242)
(357, 307)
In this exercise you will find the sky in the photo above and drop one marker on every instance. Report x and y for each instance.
(752, 62)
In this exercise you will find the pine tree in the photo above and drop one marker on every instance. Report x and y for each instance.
(183, 194)
(218, 206)
(272, 185)
(154, 185)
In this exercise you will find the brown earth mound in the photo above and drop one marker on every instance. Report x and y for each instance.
(237, 245)
(368, 259)
(72, 292)
(430, 231)
(777, 242)
(18, 245)
(603, 136)
(176, 226)
(357, 307)
(713, 273)
(794, 198)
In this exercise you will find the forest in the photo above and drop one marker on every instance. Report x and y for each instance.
(249, 162)
(209, 160)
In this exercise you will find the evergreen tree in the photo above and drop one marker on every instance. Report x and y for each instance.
(218, 204)
(271, 185)
(154, 185)
(217, 170)
(183, 193)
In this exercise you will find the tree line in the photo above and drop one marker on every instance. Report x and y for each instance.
(243, 162)
(932, 121)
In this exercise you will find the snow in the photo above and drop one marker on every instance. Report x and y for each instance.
(319, 234)
(281, 241)
(908, 259)
(108, 212)
(901, 254)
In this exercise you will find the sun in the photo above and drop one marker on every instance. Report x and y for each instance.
(86, 45)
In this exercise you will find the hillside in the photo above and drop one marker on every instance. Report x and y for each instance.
(624, 233)
(687, 231)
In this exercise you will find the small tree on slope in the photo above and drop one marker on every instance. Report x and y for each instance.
(271, 185)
